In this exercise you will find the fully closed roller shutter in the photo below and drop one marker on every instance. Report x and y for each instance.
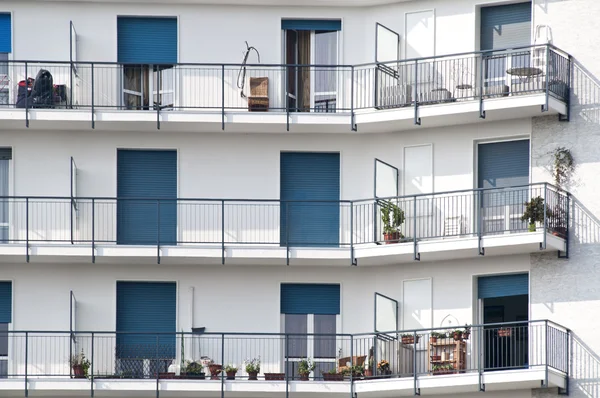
(5, 302)
(300, 298)
(307, 177)
(146, 308)
(5, 33)
(145, 40)
(144, 175)
(505, 26)
(503, 285)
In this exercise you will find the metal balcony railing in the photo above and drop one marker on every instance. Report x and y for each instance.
(286, 88)
(337, 357)
(233, 222)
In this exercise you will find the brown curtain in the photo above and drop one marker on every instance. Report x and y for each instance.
(304, 59)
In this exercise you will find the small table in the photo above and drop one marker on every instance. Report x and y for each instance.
(524, 72)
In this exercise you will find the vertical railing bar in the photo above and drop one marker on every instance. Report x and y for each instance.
(93, 83)
(156, 365)
(158, 231)
(222, 232)
(286, 98)
(93, 228)
(286, 365)
(92, 368)
(158, 102)
(546, 105)
(27, 229)
(27, 97)
(223, 97)
(417, 118)
(481, 111)
(352, 259)
(546, 353)
(480, 356)
(545, 226)
(417, 390)
(287, 232)
(416, 255)
(222, 365)
(352, 116)
(352, 365)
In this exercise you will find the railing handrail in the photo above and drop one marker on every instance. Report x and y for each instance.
(286, 65)
(341, 201)
(404, 331)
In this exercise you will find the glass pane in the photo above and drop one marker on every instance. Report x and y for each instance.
(325, 54)
(325, 346)
(3, 67)
(3, 339)
(297, 324)
(132, 78)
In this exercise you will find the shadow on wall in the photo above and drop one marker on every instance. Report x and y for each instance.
(585, 226)
(585, 369)
(585, 95)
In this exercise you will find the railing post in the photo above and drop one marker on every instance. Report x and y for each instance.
(481, 111)
(287, 97)
(93, 118)
(92, 368)
(222, 231)
(156, 365)
(223, 97)
(158, 231)
(286, 365)
(27, 97)
(352, 259)
(27, 229)
(417, 118)
(547, 89)
(545, 226)
(479, 221)
(352, 120)
(26, 362)
(416, 254)
(352, 365)
(287, 232)
(222, 365)
(546, 353)
(417, 390)
(94, 227)
(480, 356)
(158, 102)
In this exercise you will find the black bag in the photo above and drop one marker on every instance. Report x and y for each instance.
(42, 94)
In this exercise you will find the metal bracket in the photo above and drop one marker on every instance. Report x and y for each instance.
(542, 246)
(545, 108)
(481, 113)
(481, 387)
(354, 261)
(287, 256)
(481, 251)
(417, 256)
(353, 125)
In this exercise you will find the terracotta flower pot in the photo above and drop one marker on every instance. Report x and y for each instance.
(394, 237)
(304, 376)
(433, 340)
(458, 336)
(231, 375)
(215, 370)
(252, 375)
(368, 373)
(78, 372)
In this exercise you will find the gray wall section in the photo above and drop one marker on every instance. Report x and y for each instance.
(568, 291)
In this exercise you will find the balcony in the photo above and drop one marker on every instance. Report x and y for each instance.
(439, 226)
(380, 97)
(491, 357)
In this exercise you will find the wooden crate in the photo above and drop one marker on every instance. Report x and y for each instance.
(258, 100)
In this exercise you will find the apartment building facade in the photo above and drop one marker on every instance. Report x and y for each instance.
(196, 182)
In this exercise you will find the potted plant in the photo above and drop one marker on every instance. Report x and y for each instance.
(274, 376)
(80, 365)
(409, 338)
(392, 218)
(534, 212)
(230, 370)
(442, 369)
(252, 368)
(384, 367)
(305, 366)
(194, 370)
(434, 336)
(357, 371)
(332, 375)
(504, 332)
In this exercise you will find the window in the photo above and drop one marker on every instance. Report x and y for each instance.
(5, 164)
(312, 42)
(4, 79)
(148, 87)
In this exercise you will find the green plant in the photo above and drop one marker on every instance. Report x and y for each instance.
(392, 217)
(230, 368)
(80, 360)
(194, 368)
(534, 212)
(563, 166)
(438, 335)
(252, 365)
(357, 370)
(383, 365)
(332, 371)
(437, 368)
(305, 366)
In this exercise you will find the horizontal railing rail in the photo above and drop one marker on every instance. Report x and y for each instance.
(285, 88)
(227, 223)
(105, 355)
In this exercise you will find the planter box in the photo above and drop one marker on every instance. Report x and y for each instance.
(504, 332)
(274, 376)
(443, 372)
(436, 358)
(166, 375)
(192, 376)
(333, 377)
(410, 339)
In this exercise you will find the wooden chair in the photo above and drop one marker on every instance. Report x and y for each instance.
(258, 100)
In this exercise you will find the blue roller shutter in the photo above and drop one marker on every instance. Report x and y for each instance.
(311, 24)
(145, 40)
(142, 178)
(300, 298)
(309, 177)
(503, 164)
(147, 308)
(503, 285)
(505, 26)
(5, 33)
(5, 302)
